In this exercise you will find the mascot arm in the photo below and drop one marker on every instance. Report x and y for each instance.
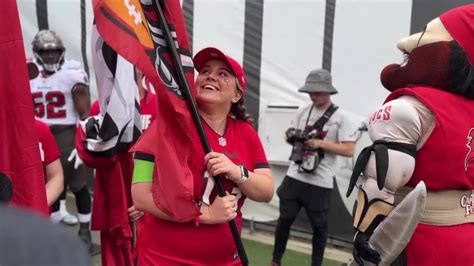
(395, 128)
(398, 130)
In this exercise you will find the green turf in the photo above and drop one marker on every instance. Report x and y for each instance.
(260, 254)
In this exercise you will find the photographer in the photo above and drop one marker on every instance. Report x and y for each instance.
(320, 132)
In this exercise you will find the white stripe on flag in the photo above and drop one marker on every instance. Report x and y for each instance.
(118, 99)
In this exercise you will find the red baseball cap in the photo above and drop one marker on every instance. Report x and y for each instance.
(460, 24)
(210, 53)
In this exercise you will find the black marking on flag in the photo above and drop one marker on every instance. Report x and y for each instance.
(166, 72)
(148, 7)
(42, 14)
(137, 131)
(156, 24)
(112, 19)
(108, 128)
(328, 33)
(253, 55)
(110, 57)
(184, 51)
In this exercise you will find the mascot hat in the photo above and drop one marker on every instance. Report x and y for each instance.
(459, 22)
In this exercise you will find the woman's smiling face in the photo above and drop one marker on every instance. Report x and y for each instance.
(216, 83)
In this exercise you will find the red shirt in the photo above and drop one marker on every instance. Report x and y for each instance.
(162, 242)
(47, 144)
(148, 109)
(446, 160)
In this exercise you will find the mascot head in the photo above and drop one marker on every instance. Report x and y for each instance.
(440, 56)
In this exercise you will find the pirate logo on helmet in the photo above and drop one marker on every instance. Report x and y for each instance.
(49, 50)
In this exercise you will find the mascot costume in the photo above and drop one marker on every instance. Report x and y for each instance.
(423, 134)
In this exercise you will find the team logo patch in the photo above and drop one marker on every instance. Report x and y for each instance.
(467, 202)
(166, 76)
(470, 154)
(222, 141)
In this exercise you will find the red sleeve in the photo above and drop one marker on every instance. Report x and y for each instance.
(47, 143)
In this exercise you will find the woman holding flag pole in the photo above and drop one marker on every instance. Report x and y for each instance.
(237, 153)
(177, 186)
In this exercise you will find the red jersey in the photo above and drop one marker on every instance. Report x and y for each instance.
(446, 159)
(112, 193)
(47, 144)
(170, 243)
(444, 162)
(148, 109)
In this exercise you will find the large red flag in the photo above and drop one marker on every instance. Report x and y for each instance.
(19, 150)
(136, 34)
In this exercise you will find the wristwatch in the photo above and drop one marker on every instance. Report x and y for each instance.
(244, 175)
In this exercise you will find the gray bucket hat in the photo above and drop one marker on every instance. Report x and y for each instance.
(318, 81)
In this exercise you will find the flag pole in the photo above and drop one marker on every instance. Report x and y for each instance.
(184, 85)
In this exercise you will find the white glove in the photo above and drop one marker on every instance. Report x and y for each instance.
(78, 160)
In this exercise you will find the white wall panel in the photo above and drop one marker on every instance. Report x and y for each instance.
(29, 23)
(220, 24)
(292, 45)
(365, 36)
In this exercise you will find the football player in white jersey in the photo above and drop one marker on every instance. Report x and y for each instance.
(61, 97)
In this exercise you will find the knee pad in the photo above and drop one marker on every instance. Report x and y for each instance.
(369, 214)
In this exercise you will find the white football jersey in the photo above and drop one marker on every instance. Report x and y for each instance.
(52, 96)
